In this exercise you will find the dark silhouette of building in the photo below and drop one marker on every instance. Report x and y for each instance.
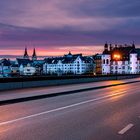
(26, 56)
(34, 56)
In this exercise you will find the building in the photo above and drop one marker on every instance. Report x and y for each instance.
(98, 61)
(29, 70)
(24, 66)
(5, 68)
(69, 64)
(38, 64)
(106, 60)
(15, 69)
(26, 56)
(34, 56)
(120, 59)
(27, 66)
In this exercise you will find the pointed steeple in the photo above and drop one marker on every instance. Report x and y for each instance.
(133, 44)
(69, 53)
(34, 56)
(34, 53)
(26, 56)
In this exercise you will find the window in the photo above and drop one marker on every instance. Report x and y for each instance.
(107, 61)
(123, 72)
(103, 61)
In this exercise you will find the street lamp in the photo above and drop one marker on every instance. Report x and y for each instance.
(116, 58)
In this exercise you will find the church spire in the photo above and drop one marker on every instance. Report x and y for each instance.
(26, 56)
(34, 56)
(133, 44)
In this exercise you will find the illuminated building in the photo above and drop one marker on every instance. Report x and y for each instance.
(120, 59)
(69, 64)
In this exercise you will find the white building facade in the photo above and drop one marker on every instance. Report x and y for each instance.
(121, 60)
(106, 59)
(69, 64)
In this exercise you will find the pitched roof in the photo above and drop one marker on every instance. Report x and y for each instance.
(34, 53)
(5, 62)
(24, 61)
(14, 65)
(124, 51)
(38, 63)
(133, 51)
(66, 59)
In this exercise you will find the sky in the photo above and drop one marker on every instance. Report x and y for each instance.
(55, 27)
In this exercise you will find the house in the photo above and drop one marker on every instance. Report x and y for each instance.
(14, 69)
(5, 68)
(25, 66)
(98, 61)
(120, 59)
(29, 70)
(38, 64)
(69, 64)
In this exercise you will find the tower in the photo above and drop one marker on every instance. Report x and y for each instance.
(106, 58)
(34, 56)
(133, 45)
(26, 56)
(106, 47)
(133, 61)
(111, 47)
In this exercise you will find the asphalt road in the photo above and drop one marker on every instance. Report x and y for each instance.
(112, 113)
(29, 92)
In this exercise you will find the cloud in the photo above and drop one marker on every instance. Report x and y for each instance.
(68, 23)
(54, 14)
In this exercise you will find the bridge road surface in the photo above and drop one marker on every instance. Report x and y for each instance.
(29, 92)
(105, 114)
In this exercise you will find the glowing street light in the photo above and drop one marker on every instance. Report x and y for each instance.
(117, 56)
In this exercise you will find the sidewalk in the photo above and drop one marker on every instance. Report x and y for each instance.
(44, 92)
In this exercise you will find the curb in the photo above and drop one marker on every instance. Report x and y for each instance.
(37, 97)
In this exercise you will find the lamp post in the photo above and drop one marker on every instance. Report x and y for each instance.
(117, 58)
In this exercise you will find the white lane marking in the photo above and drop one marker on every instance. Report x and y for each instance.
(125, 129)
(61, 108)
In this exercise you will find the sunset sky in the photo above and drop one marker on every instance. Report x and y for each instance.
(55, 27)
